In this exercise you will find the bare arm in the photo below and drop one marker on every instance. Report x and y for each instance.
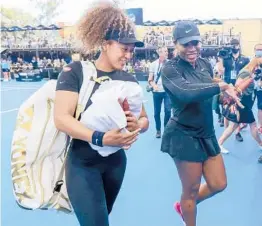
(151, 77)
(143, 121)
(66, 101)
(64, 109)
(239, 81)
(151, 81)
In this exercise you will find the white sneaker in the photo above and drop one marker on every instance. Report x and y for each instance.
(223, 150)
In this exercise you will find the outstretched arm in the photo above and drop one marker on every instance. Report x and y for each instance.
(186, 91)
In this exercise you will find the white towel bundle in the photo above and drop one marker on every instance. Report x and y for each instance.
(106, 113)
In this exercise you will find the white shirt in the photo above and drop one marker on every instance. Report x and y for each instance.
(155, 68)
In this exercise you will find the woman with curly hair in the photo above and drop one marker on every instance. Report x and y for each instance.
(93, 181)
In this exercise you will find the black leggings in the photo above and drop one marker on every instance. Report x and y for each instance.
(93, 184)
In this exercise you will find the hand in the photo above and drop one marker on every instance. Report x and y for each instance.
(132, 122)
(231, 91)
(155, 87)
(115, 138)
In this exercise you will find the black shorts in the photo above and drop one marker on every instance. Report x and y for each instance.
(186, 148)
(246, 114)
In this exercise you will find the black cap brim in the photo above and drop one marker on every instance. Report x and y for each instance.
(186, 40)
(127, 41)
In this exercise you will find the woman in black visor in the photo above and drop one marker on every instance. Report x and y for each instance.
(189, 137)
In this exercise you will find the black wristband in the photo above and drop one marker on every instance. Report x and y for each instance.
(97, 138)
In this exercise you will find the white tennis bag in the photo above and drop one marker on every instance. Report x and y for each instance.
(38, 149)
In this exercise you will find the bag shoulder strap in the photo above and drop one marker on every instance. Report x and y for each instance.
(158, 71)
(89, 76)
(158, 77)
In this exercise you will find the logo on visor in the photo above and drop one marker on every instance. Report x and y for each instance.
(131, 33)
(188, 31)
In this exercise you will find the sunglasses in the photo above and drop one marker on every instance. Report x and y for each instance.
(192, 43)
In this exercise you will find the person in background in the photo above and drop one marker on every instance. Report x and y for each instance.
(258, 53)
(213, 61)
(159, 94)
(218, 74)
(5, 65)
(34, 63)
(247, 99)
(233, 64)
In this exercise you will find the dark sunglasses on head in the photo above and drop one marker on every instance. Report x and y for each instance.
(193, 43)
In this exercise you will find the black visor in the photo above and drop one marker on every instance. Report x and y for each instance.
(124, 37)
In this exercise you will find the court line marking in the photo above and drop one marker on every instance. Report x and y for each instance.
(23, 86)
(10, 110)
(13, 87)
(2, 90)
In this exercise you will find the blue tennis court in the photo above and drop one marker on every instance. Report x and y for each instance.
(151, 183)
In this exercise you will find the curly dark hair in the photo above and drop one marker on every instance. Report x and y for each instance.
(97, 21)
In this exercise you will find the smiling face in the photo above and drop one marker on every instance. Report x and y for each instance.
(189, 51)
(118, 54)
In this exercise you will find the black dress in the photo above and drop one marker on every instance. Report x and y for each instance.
(190, 135)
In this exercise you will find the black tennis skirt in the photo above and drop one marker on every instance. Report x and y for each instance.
(246, 114)
(187, 148)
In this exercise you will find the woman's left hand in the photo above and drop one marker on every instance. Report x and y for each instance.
(132, 122)
(231, 91)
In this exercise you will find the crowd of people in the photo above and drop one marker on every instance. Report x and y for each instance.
(10, 69)
(35, 39)
(163, 37)
(154, 36)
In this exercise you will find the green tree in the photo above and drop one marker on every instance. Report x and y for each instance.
(48, 10)
(15, 17)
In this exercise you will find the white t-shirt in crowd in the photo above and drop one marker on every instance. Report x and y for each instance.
(154, 68)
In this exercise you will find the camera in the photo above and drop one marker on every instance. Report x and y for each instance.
(225, 52)
(149, 88)
(258, 73)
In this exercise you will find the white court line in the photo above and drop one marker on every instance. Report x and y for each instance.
(16, 87)
(19, 89)
(11, 110)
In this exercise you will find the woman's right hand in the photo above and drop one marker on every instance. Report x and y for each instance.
(117, 139)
